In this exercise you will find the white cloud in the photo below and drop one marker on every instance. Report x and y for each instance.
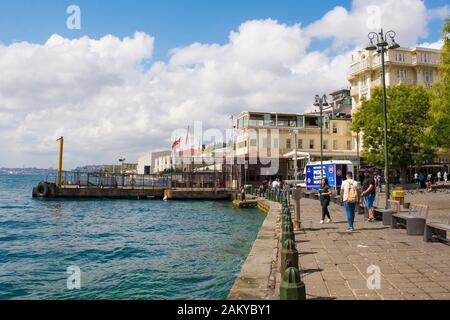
(439, 13)
(99, 95)
(348, 28)
(433, 45)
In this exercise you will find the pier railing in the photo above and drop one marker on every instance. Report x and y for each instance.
(130, 180)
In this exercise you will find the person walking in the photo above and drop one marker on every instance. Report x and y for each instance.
(368, 194)
(380, 183)
(349, 196)
(422, 180)
(325, 199)
(261, 191)
(439, 176)
(242, 193)
(445, 176)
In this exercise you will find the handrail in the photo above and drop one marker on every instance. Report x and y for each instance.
(140, 181)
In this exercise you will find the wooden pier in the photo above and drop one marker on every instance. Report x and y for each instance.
(47, 190)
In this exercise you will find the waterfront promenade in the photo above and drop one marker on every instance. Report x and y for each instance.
(334, 263)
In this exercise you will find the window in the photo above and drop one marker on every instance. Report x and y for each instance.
(268, 120)
(335, 130)
(300, 121)
(425, 58)
(240, 123)
(325, 145)
(275, 143)
(300, 144)
(288, 144)
(253, 142)
(401, 75)
(311, 144)
(335, 145)
(364, 81)
(349, 145)
(399, 57)
(427, 76)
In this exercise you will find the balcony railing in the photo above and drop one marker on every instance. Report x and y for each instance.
(405, 81)
(359, 66)
(434, 62)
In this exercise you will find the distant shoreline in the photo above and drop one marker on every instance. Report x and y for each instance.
(26, 171)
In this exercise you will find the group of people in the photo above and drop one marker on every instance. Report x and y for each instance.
(350, 194)
(426, 182)
(276, 185)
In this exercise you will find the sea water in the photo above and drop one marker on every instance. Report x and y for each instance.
(124, 249)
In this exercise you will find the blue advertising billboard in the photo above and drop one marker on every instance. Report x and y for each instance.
(332, 172)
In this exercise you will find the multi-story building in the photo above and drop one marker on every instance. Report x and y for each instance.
(129, 168)
(270, 135)
(161, 161)
(145, 164)
(415, 66)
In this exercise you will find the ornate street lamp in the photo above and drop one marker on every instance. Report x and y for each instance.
(321, 102)
(382, 46)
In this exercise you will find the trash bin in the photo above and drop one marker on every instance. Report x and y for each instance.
(399, 195)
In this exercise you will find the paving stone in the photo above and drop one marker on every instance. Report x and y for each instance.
(410, 268)
(440, 296)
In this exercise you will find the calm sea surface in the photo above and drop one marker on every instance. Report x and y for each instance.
(125, 249)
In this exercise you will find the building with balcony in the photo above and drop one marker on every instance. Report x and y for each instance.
(414, 66)
(271, 135)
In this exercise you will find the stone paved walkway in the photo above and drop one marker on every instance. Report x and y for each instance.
(335, 262)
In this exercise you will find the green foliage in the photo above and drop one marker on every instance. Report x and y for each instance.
(407, 109)
(439, 126)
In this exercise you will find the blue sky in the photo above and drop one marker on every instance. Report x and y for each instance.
(109, 100)
(173, 23)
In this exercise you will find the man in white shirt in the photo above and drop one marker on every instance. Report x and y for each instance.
(349, 190)
(274, 185)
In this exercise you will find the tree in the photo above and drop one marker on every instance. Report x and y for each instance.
(439, 125)
(407, 108)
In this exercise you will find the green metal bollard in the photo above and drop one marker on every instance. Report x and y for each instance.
(289, 256)
(287, 232)
(286, 212)
(292, 287)
(286, 220)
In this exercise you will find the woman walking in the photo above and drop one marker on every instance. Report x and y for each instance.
(325, 198)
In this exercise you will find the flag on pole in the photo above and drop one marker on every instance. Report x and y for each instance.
(176, 144)
(187, 136)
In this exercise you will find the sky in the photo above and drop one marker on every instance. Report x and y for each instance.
(136, 71)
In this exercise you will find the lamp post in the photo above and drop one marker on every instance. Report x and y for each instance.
(232, 152)
(358, 155)
(295, 133)
(382, 46)
(321, 102)
(122, 161)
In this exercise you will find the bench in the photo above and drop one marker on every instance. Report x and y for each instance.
(414, 221)
(336, 199)
(437, 231)
(307, 194)
(383, 214)
(394, 208)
